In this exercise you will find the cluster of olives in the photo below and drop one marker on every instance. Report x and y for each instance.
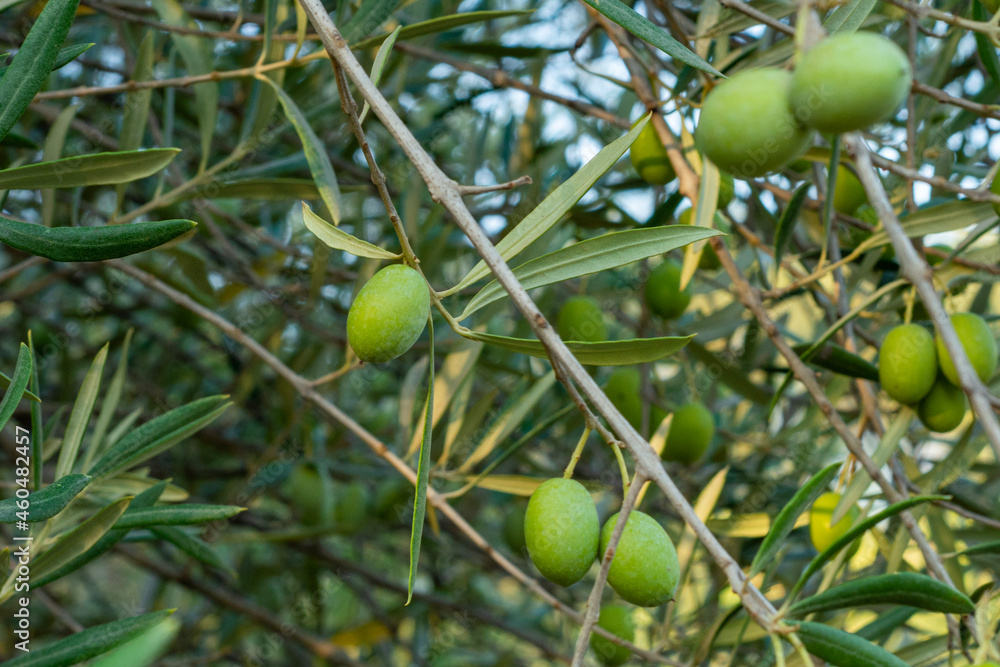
(389, 314)
(916, 368)
(844, 83)
(563, 537)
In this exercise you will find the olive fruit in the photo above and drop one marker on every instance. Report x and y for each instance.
(848, 193)
(388, 314)
(581, 319)
(649, 157)
(311, 495)
(995, 185)
(664, 295)
(644, 570)
(727, 190)
(822, 533)
(907, 363)
(979, 342)
(709, 260)
(616, 619)
(943, 408)
(622, 389)
(394, 500)
(691, 432)
(848, 82)
(351, 510)
(513, 531)
(561, 530)
(746, 127)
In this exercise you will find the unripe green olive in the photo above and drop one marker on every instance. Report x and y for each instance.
(848, 82)
(943, 408)
(907, 363)
(351, 511)
(979, 342)
(691, 432)
(561, 530)
(311, 495)
(616, 619)
(513, 531)
(644, 570)
(581, 319)
(848, 193)
(988, 664)
(389, 314)
(992, 6)
(649, 157)
(664, 295)
(622, 389)
(995, 185)
(727, 190)
(746, 127)
(822, 533)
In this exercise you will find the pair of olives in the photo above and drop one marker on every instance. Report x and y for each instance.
(564, 537)
(762, 119)
(916, 368)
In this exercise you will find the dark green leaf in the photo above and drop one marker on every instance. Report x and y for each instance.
(192, 546)
(729, 373)
(368, 18)
(903, 588)
(610, 353)
(48, 502)
(786, 224)
(842, 649)
(65, 57)
(987, 51)
(90, 244)
(423, 475)
(17, 386)
(175, 515)
(83, 170)
(837, 359)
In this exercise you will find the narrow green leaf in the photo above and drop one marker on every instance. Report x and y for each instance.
(34, 60)
(842, 649)
(610, 353)
(78, 540)
(5, 383)
(197, 57)
(902, 588)
(990, 547)
(423, 473)
(66, 56)
(378, 66)
(90, 244)
(593, 255)
(263, 189)
(849, 17)
(369, 16)
(52, 150)
(145, 499)
(192, 546)
(987, 51)
(15, 390)
(441, 24)
(855, 532)
(83, 408)
(837, 359)
(786, 224)
(729, 373)
(109, 406)
(784, 523)
(341, 240)
(83, 170)
(159, 434)
(37, 426)
(945, 217)
(315, 151)
(647, 31)
(553, 207)
(175, 515)
(144, 649)
(46, 503)
(90, 642)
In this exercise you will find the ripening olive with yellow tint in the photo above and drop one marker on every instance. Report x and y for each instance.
(616, 619)
(907, 363)
(561, 530)
(622, 389)
(389, 314)
(848, 82)
(664, 295)
(745, 126)
(848, 193)
(691, 432)
(944, 407)
(980, 346)
(649, 157)
(644, 570)
(581, 319)
(821, 532)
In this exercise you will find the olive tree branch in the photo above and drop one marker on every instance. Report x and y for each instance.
(446, 192)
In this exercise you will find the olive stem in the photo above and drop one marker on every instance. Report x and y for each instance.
(481, 189)
(594, 599)
(568, 472)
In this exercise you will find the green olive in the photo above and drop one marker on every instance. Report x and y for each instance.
(822, 533)
(581, 319)
(389, 314)
(979, 342)
(848, 193)
(727, 190)
(691, 432)
(649, 157)
(561, 530)
(616, 619)
(943, 409)
(907, 363)
(394, 500)
(995, 185)
(311, 495)
(644, 570)
(991, 5)
(848, 82)
(622, 389)
(746, 127)
(664, 295)
(351, 511)
(513, 530)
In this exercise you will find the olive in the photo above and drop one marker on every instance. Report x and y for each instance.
(616, 619)
(581, 319)
(691, 431)
(821, 532)
(980, 346)
(943, 408)
(664, 295)
(848, 193)
(622, 389)
(649, 157)
(644, 570)
(907, 363)
(561, 530)
(389, 314)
